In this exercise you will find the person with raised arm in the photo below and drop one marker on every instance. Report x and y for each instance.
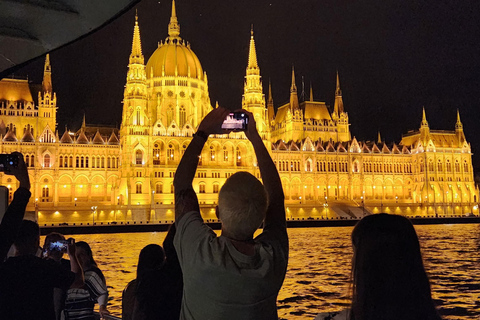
(234, 275)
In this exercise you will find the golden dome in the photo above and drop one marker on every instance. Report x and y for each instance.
(174, 58)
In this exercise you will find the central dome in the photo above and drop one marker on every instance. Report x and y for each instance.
(174, 58)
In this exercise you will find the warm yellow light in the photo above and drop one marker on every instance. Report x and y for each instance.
(81, 186)
(64, 185)
(96, 186)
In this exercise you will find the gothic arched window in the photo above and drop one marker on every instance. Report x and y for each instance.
(138, 157)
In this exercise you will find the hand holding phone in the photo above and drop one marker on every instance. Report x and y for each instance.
(236, 121)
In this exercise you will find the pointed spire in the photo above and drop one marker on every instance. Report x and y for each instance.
(311, 92)
(252, 54)
(136, 56)
(293, 88)
(379, 139)
(83, 122)
(338, 92)
(338, 106)
(424, 119)
(47, 75)
(270, 97)
(458, 125)
(174, 26)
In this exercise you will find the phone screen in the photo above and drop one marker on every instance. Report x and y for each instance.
(236, 121)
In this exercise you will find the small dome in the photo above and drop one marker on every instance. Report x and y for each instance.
(173, 55)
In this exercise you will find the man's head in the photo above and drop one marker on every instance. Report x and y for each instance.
(28, 238)
(242, 204)
(53, 253)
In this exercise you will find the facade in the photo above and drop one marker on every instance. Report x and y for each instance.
(102, 174)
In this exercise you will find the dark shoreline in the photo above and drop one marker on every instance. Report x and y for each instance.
(307, 223)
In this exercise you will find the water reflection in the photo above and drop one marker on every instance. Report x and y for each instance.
(318, 277)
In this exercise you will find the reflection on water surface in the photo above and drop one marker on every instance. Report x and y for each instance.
(319, 268)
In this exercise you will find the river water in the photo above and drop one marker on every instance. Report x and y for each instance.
(319, 268)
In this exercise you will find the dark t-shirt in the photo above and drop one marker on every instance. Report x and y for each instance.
(26, 287)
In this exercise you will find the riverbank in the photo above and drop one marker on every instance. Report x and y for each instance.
(129, 227)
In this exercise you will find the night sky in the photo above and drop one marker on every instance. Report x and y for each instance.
(393, 57)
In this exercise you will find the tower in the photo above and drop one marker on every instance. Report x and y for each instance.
(47, 105)
(340, 116)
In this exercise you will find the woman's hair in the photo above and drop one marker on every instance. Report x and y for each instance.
(83, 245)
(389, 279)
(151, 257)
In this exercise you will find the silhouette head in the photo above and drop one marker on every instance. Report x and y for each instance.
(151, 257)
(53, 254)
(242, 204)
(84, 255)
(28, 238)
(389, 279)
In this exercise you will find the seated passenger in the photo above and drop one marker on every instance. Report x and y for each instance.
(151, 257)
(81, 301)
(389, 280)
(27, 281)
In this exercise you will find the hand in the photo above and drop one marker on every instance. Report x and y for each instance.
(20, 171)
(251, 131)
(71, 249)
(212, 123)
(103, 311)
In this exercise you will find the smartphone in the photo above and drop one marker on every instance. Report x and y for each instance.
(60, 245)
(7, 160)
(236, 121)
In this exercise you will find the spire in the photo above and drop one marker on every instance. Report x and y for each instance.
(338, 106)
(311, 92)
(338, 92)
(83, 122)
(252, 54)
(270, 97)
(424, 119)
(173, 26)
(293, 93)
(293, 88)
(136, 56)
(458, 125)
(379, 139)
(47, 75)
(270, 107)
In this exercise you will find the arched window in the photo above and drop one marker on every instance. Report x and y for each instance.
(216, 188)
(138, 118)
(183, 116)
(225, 154)
(159, 188)
(457, 166)
(201, 188)
(45, 192)
(439, 166)
(212, 153)
(239, 157)
(138, 157)
(46, 161)
(171, 153)
(109, 162)
(138, 188)
(60, 162)
(27, 162)
(86, 162)
(156, 154)
(449, 166)
(465, 166)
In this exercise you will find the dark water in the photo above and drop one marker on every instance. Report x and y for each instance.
(319, 268)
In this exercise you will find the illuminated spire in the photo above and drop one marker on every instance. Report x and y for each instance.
(173, 26)
(136, 56)
(338, 106)
(311, 92)
(293, 88)
(47, 75)
(252, 55)
(424, 119)
(83, 122)
(379, 138)
(270, 97)
(458, 125)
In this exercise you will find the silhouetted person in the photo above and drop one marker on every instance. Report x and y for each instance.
(27, 281)
(151, 258)
(81, 301)
(159, 291)
(16, 210)
(389, 279)
(233, 276)
(53, 250)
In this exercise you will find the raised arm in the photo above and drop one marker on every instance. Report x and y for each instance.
(270, 177)
(75, 265)
(16, 210)
(185, 198)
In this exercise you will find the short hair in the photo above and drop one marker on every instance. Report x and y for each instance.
(242, 204)
(389, 279)
(28, 237)
(52, 237)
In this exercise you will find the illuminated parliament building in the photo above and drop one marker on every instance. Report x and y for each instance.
(104, 174)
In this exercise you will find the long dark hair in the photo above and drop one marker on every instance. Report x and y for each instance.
(389, 279)
(93, 264)
(151, 257)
